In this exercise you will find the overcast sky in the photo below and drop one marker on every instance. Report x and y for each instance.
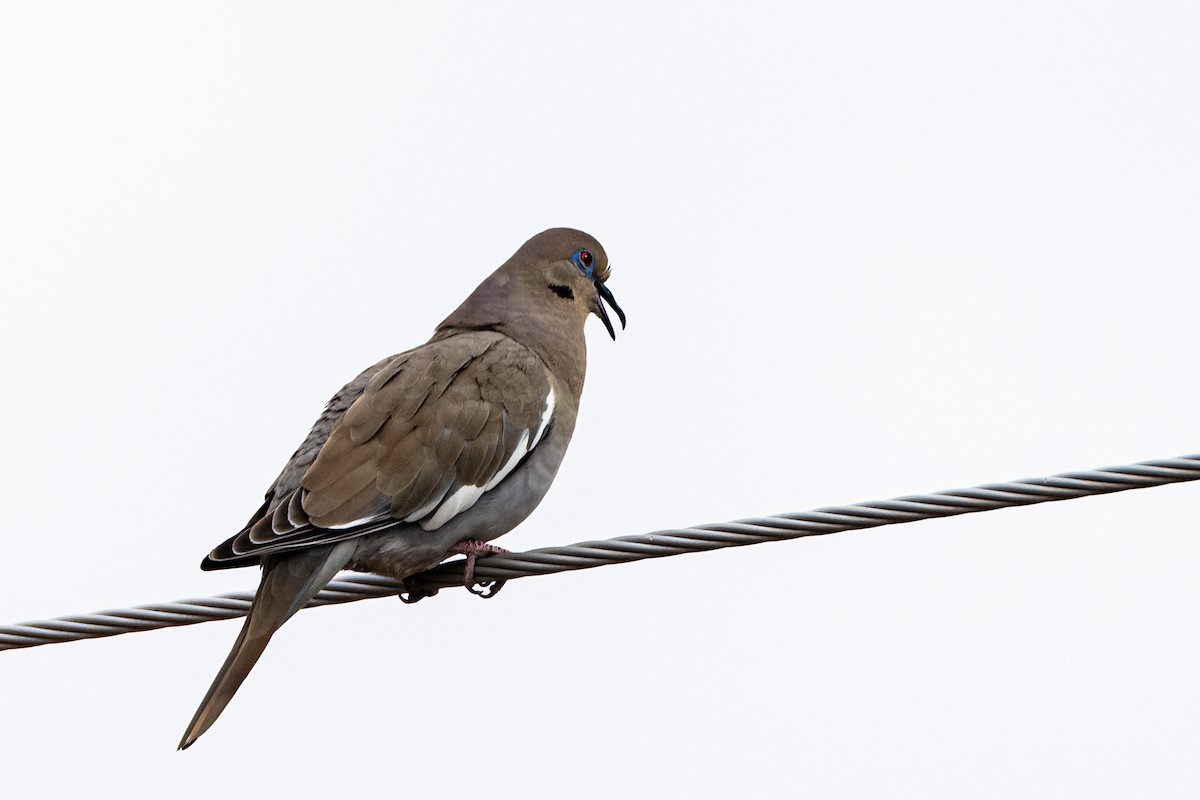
(866, 249)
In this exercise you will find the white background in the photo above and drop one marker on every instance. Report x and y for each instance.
(867, 249)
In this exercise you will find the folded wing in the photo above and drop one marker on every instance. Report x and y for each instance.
(430, 431)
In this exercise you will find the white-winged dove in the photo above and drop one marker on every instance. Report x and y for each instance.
(431, 452)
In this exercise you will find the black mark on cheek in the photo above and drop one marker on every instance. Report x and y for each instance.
(562, 291)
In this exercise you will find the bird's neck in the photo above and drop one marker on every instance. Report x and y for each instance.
(566, 356)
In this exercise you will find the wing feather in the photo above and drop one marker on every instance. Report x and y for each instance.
(418, 438)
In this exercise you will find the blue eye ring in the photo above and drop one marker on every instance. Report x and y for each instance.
(585, 261)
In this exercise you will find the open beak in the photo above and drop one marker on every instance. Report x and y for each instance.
(606, 296)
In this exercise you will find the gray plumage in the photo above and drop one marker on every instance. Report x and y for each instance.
(453, 441)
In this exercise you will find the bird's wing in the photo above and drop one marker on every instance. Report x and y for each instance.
(429, 433)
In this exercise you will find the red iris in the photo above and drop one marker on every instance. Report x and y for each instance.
(585, 258)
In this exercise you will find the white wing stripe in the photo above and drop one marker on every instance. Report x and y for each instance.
(467, 496)
(363, 521)
(546, 416)
(425, 509)
(454, 505)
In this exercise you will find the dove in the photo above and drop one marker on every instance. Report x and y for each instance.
(435, 451)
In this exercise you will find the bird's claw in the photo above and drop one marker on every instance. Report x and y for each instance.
(487, 589)
(472, 550)
(414, 594)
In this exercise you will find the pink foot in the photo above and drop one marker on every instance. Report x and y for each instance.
(472, 549)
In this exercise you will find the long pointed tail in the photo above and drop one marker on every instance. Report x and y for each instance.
(288, 583)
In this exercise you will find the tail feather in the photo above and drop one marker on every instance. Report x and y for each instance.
(288, 583)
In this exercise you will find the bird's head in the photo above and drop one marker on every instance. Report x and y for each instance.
(563, 269)
(549, 286)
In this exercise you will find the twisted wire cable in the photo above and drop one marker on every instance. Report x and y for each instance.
(659, 544)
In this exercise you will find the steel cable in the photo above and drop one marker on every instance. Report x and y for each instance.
(585, 555)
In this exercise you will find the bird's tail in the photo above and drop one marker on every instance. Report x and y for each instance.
(288, 583)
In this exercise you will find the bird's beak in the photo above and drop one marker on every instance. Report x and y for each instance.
(606, 296)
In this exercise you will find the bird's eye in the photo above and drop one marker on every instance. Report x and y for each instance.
(584, 260)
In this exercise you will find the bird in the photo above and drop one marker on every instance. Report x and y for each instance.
(435, 451)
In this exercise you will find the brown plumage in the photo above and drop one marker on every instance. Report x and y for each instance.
(456, 440)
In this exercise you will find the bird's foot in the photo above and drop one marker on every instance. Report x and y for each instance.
(472, 549)
(410, 594)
